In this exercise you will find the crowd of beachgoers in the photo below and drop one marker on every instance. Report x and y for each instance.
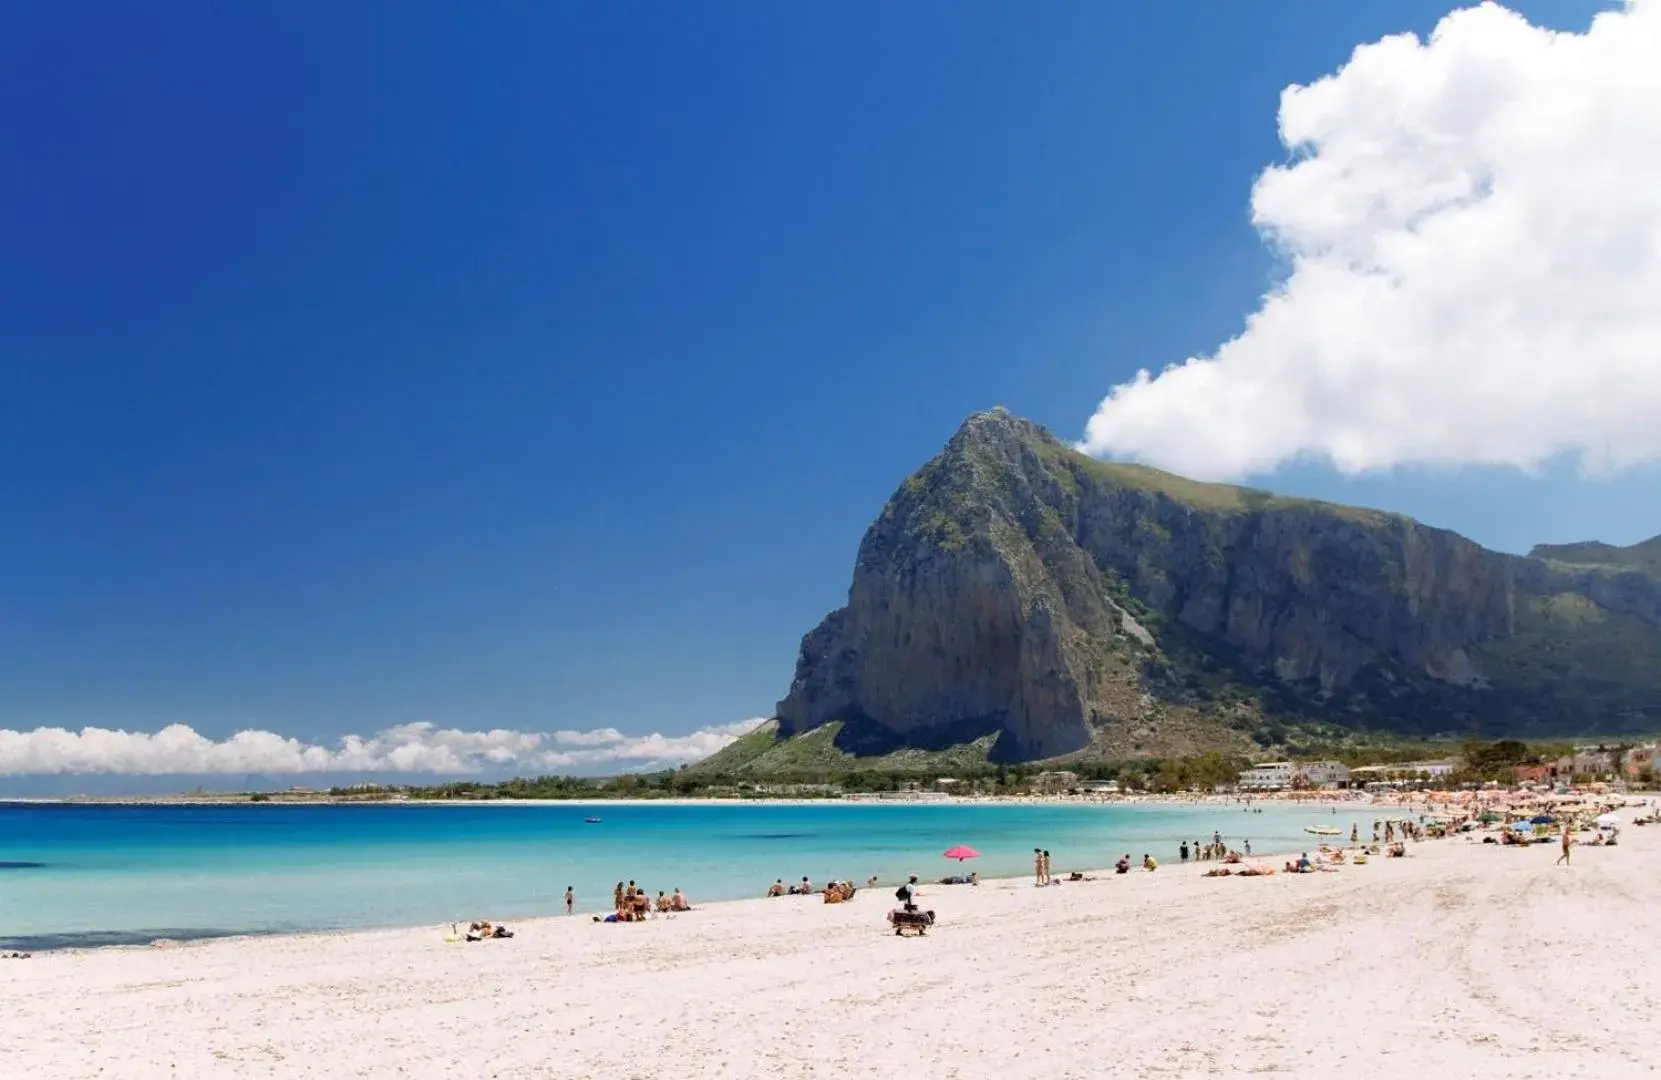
(1507, 817)
(1497, 961)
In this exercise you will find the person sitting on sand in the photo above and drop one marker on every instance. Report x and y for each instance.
(678, 902)
(777, 888)
(974, 877)
(1149, 863)
(642, 906)
(1122, 866)
(871, 882)
(663, 906)
(1303, 863)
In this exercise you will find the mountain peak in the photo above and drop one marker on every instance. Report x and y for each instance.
(998, 424)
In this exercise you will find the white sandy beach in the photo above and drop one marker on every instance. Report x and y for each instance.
(1463, 960)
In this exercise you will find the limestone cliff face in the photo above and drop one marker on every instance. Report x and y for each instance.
(991, 593)
(955, 624)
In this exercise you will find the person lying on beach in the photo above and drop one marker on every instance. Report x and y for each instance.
(1078, 876)
(484, 930)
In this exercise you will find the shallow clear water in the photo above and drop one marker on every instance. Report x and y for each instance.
(78, 875)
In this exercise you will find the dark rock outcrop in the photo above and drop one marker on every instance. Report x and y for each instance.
(1006, 587)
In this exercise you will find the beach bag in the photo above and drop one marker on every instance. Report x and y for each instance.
(901, 894)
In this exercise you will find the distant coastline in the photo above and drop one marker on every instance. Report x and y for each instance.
(1327, 798)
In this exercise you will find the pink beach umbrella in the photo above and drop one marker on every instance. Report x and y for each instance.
(961, 852)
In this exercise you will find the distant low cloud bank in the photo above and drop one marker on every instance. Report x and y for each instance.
(1473, 235)
(409, 748)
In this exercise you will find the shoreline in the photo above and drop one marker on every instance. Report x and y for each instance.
(867, 799)
(588, 918)
(1442, 956)
(210, 937)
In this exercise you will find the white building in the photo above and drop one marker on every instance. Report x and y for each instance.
(1280, 775)
(1269, 776)
(1324, 773)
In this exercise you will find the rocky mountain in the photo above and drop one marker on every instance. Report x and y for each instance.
(1019, 595)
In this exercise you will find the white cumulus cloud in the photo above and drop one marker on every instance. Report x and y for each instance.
(408, 748)
(1472, 227)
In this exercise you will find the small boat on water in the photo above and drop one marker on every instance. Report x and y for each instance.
(591, 820)
(1322, 830)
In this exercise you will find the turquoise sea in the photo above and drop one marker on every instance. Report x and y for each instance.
(74, 875)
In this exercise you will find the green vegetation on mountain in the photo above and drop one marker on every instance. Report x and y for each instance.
(1020, 601)
(1644, 557)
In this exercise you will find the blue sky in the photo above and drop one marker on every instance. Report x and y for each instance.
(539, 366)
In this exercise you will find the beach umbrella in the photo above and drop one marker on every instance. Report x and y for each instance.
(1609, 819)
(961, 852)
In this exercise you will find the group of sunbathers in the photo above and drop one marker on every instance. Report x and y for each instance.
(484, 930)
(633, 905)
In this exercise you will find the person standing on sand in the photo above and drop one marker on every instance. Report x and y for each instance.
(1184, 851)
(1047, 878)
(1567, 840)
(1038, 866)
(1248, 847)
(570, 900)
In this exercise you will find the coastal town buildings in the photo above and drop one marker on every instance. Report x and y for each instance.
(1281, 775)
(1056, 782)
(1268, 776)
